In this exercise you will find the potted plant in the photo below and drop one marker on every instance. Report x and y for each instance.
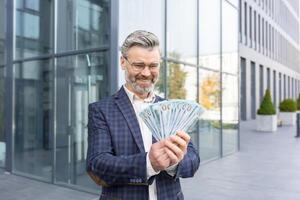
(288, 108)
(266, 119)
(298, 103)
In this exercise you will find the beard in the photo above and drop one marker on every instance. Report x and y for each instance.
(132, 81)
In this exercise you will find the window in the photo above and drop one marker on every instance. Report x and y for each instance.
(240, 20)
(209, 33)
(274, 89)
(259, 34)
(245, 22)
(267, 39)
(284, 87)
(33, 35)
(262, 36)
(280, 87)
(250, 25)
(2, 79)
(186, 50)
(289, 87)
(261, 82)
(243, 89)
(268, 79)
(33, 115)
(85, 21)
(81, 79)
(253, 90)
(273, 42)
(255, 33)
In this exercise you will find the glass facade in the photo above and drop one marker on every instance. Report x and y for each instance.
(61, 60)
(33, 28)
(81, 79)
(230, 95)
(200, 62)
(82, 24)
(2, 73)
(60, 64)
(33, 115)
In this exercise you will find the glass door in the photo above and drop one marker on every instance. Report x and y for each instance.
(2, 54)
(81, 79)
(2, 135)
(33, 118)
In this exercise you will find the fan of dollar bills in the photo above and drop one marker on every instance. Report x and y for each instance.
(167, 117)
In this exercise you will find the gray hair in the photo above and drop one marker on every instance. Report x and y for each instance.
(139, 38)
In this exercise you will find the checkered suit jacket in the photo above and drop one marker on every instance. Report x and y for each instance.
(116, 158)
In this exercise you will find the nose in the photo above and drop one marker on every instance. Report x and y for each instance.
(146, 71)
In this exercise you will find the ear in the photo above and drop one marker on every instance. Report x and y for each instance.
(123, 62)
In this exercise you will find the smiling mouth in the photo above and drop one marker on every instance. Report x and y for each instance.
(145, 80)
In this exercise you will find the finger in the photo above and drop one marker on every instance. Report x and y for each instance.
(184, 136)
(157, 153)
(163, 162)
(175, 149)
(159, 145)
(179, 141)
(164, 157)
(172, 157)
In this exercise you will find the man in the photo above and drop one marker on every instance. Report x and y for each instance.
(122, 154)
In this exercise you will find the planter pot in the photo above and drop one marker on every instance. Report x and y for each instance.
(266, 123)
(288, 118)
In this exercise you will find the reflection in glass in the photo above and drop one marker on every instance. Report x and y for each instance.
(33, 117)
(2, 71)
(32, 4)
(176, 81)
(81, 79)
(182, 84)
(209, 34)
(209, 125)
(141, 15)
(2, 133)
(82, 24)
(2, 31)
(230, 114)
(181, 81)
(160, 85)
(34, 22)
(234, 2)
(182, 29)
(229, 41)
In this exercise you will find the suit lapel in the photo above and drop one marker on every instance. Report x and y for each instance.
(128, 112)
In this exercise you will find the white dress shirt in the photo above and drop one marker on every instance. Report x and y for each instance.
(138, 105)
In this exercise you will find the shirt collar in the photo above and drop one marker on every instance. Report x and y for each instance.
(133, 97)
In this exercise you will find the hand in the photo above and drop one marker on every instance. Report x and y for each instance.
(158, 157)
(176, 146)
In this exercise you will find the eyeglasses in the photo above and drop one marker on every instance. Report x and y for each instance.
(140, 66)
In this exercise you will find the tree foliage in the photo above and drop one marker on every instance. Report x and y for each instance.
(209, 94)
(288, 105)
(176, 77)
(266, 106)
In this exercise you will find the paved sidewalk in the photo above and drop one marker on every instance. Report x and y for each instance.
(267, 167)
(18, 188)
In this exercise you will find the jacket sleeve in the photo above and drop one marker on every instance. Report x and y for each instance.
(103, 166)
(189, 164)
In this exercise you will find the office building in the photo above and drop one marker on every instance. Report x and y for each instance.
(57, 56)
(269, 52)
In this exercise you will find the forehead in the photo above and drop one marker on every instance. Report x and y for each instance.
(143, 54)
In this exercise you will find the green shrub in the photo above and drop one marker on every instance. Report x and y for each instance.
(266, 106)
(288, 105)
(298, 102)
